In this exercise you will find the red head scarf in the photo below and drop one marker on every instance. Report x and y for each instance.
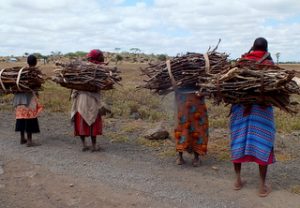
(95, 56)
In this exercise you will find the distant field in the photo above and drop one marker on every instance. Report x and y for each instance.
(295, 67)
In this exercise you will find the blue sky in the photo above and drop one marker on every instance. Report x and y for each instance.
(133, 2)
(154, 26)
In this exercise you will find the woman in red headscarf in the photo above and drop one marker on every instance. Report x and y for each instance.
(253, 129)
(85, 109)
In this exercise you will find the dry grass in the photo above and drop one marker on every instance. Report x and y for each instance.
(117, 137)
(219, 147)
(295, 189)
(55, 98)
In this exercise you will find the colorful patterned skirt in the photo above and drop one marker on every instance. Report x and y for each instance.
(81, 128)
(252, 135)
(191, 133)
(26, 117)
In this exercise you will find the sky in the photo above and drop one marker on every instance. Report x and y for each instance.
(154, 26)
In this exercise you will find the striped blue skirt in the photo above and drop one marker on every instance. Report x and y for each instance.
(253, 134)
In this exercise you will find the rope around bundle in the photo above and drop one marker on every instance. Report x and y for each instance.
(2, 85)
(21, 79)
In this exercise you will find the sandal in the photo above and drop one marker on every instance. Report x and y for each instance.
(23, 141)
(268, 190)
(196, 162)
(33, 144)
(84, 149)
(180, 161)
(236, 187)
(97, 149)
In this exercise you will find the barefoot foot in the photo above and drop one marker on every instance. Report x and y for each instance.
(264, 191)
(180, 161)
(196, 162)
(239, 185)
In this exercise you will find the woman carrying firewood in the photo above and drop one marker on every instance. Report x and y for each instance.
(27, 111)
(252, 128)
(191, 133)
(85, 109)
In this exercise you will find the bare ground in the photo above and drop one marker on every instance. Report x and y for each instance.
(58, 174)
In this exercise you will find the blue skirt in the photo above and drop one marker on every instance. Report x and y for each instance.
(252, 134)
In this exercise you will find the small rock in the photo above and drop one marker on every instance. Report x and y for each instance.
(135, 115)
(215, 168)
(104, 109)
(157, 133)
(71, 185)
(30, 174)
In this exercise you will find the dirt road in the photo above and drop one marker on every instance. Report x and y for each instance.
(57, 174)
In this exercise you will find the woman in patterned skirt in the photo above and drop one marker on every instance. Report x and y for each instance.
(27, 111)
(191, 133)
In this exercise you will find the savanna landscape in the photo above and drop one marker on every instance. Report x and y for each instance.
(132, 171)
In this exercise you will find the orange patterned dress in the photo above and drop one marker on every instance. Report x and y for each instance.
(191, 133)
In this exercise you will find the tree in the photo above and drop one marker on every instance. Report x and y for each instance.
(117, 50)
(277, 57)
(38, 55)
(135, 50)
(56, 53)
(80, 53)
(162, 57)
(118, 58)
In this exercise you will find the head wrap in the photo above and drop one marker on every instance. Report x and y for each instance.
(95, 56)
(260, 44)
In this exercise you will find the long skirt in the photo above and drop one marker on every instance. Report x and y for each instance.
(81, 128)
(252, 135)
(30, 125)
(191, 133)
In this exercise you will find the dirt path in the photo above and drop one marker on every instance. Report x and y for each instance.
(58, 174)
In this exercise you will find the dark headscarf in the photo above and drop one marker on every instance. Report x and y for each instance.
(31, 60)
(260, 44)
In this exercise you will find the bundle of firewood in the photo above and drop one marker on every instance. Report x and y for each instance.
(248, 83)
(183, 71)
(21, 79)
(86, 76)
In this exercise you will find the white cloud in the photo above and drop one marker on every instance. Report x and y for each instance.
(166, 26)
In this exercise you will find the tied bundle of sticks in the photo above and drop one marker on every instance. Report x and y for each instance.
(21, 79)
(183, 71)
(85, 76)
(251, 83)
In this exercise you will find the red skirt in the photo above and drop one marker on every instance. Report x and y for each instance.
(81, 128)
(249, 158)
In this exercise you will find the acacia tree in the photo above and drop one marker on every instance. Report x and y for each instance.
(135, 50)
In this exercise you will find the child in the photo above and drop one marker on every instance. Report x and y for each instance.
(27, 111)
